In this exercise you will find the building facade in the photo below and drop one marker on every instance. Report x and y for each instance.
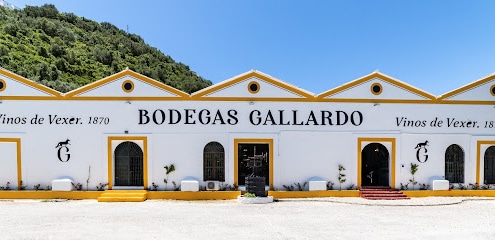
(123, 129)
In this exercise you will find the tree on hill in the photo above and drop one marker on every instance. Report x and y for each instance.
(64, 51)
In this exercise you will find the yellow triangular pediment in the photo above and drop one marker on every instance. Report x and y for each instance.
(376, 87)
(253, 85)
(480, 92)
(15, 87)
(126, 85)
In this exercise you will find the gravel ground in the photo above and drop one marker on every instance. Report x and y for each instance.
(313, 218)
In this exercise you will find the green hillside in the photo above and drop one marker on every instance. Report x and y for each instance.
(64, 51)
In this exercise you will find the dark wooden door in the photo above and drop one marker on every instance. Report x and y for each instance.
(375, 165)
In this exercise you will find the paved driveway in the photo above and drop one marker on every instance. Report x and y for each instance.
(324, 218)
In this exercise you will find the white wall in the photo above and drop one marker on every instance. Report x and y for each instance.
(304, 155)
(185, 151)
(8, 158)
(435, 165)
(300, 151)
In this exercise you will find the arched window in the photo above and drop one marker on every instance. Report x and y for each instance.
(214, 162)
(454, 164)
(489, 165)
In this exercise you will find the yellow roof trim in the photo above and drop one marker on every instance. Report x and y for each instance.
(29, 83)
(123, 98)
(31, 98)
(467, 87)
(365, 100)
(265, 99)
(381, 76)
(250, 99)
(126, 72)
(202, 94)
(471, 102)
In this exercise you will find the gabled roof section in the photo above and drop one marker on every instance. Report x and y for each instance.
(375, 88)
(481, 91)
(126, 85)
(15, 87)
(253, 86)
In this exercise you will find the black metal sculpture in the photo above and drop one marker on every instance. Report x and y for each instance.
(255, 184)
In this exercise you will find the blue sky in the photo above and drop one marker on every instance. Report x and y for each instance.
(436, 46)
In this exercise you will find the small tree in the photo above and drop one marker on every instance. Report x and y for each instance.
(168, 169)
(341, 176)
(414, 169)
(87, 180)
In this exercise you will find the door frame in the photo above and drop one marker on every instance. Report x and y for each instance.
(268, 141)
(391, 154)
(111, 157)
(17, 142)
(479, 156)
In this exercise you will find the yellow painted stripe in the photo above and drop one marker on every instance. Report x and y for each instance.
(19, 164)
(450, 193)
(202, 195)
(313, 194)
(220, 195)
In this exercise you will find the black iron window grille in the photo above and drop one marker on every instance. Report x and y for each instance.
(454, 164)
(128, 164)
(214, 162)
(489, 160)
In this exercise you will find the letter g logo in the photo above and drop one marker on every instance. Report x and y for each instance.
(421, 155)
(66, 156)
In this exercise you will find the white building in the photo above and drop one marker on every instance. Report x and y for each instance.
(123, 129)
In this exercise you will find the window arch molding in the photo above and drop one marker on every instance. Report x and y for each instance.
(214, 162)
(489, 165)
(454, 164)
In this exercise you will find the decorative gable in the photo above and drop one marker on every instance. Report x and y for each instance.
(253, 85)
(13, 86)
(126, 85)
(376, 87)
(481, 91)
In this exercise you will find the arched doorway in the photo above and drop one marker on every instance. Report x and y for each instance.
(375, 165)
(128, 164)
(454, 164)
(489, 172)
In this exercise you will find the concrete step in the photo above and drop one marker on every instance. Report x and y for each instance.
(381, 193)
(121, 199)
(387, 198)
(378, 189)
(375, 187)
(123, 196)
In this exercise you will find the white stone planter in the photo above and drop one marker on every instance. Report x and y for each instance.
(254, 200)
